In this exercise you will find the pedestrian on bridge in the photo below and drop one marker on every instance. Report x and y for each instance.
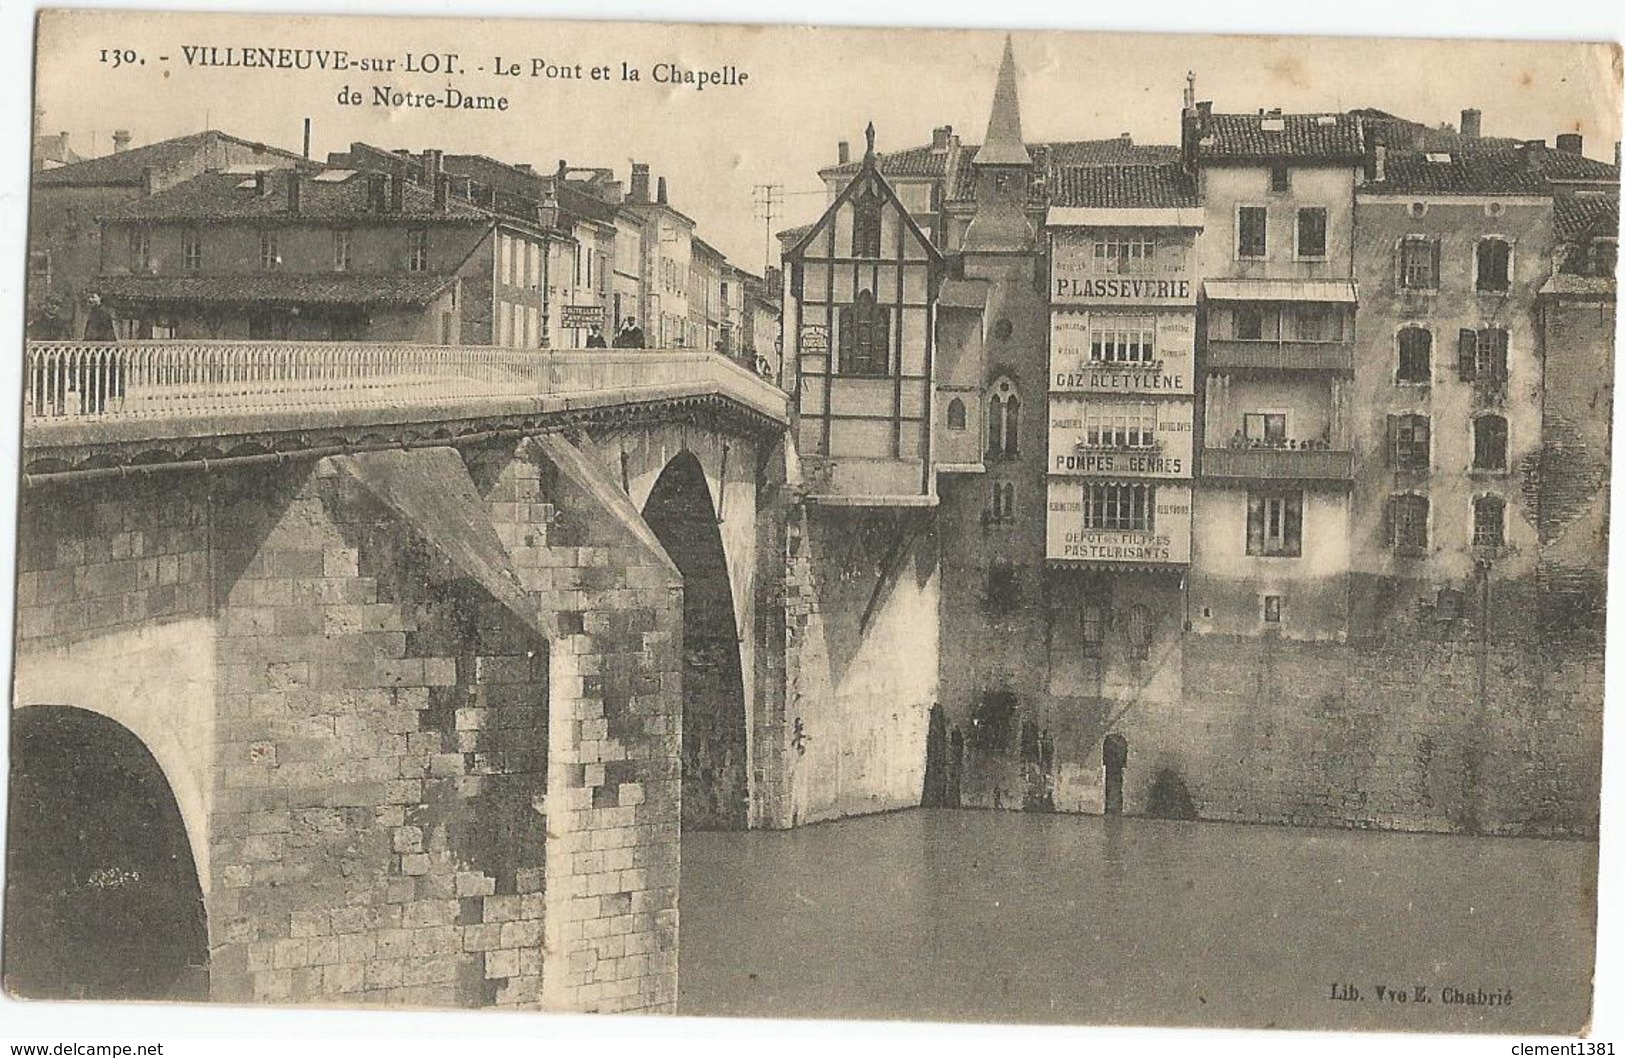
(630, 335)
(101, 373)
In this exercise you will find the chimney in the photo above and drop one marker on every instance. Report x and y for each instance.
(62, 144)
(1192, 120)
(563, 168)
(843, 153)
(293, 190)
(1472, 123)
(939, 138)
(1571, 142)
(307, 137)
(640, 183)
(1379, 171)
(376, 183)
(397, 193)
(660, 191)
(149, 180)
(442, 192)
(121, 140)
(1533, 151)
(524, 167)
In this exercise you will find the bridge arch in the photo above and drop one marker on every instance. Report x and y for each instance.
(103, 899)
(682, 513)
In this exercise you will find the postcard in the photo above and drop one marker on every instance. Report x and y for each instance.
(812, 522)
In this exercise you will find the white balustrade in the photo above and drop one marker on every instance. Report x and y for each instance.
(159, 379)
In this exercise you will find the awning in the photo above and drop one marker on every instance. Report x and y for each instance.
(963, 294)
(1340, 291)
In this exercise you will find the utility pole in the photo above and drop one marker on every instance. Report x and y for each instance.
(769, 199)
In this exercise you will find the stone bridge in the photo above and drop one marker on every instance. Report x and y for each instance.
(392, 673)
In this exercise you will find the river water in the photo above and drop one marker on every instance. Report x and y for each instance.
(1003, 916)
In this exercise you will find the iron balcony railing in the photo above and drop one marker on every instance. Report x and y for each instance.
(1278, 464)
(1237, 355)
(174, 379)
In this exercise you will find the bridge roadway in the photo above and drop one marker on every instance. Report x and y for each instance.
(383, 649)
(89, 405)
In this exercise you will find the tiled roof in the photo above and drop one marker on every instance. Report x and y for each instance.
(1481, 169)
(1254, 136)
(1123, 187)
(1049, 158)
(1403, 134)
(911, 161)
(270, 288)
(1580, 215)
(231, 196)
(125, 167)
(1568, 165)
(791, 236)
(529, 185)
(1119, 150)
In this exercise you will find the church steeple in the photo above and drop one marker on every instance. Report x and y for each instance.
(1003, 145)
(1003, 173)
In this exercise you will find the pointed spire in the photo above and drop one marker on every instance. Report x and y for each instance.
(1003, 145)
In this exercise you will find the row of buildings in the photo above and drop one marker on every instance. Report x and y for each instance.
(212, 236)
(1271, 461)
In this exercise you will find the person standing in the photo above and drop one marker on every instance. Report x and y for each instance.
(101, 375)
(630, 335)
(595, 337)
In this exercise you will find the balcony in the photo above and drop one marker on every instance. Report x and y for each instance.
(1277, 464)
(1225, 354)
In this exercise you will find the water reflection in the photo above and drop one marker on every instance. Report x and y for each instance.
(998, 916)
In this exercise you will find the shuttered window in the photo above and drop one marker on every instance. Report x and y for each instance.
(1419, 263)
(1408, 442)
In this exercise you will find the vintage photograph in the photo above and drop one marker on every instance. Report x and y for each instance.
(787, 522)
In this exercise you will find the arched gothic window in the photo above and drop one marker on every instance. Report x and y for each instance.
(1003, 421)
(866, 223)
(956, 414)
(865, 337)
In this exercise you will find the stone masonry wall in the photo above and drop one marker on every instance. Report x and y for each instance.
(580, 549)
(382, 743)
(1391, 732)
(860, 602)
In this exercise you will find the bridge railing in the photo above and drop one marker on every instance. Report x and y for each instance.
(157, 379)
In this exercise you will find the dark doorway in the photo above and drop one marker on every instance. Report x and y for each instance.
(102, 896)
(942, 754)
(681, 513)
(1114, 755)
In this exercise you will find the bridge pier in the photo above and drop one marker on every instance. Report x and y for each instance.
(437, 727)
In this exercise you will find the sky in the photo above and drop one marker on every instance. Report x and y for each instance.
(804, 89)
